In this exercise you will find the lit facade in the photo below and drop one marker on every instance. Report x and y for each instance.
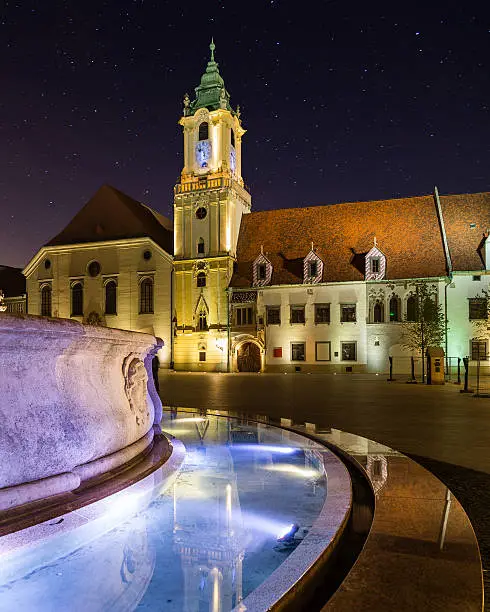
(324, 288)
(210, 200)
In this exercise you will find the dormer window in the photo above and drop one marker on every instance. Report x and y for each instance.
(375, 268)
(262, 271)
(312, 268)
(203, 131)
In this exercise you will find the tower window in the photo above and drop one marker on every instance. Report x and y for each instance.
(232, 135)
(204, 131)
(203, 321)
(201, 279)
(111, 298)
(201, 212)
(200, 246)
(77, 300)
(146, 296)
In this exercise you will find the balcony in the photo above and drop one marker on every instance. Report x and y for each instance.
(203, 183)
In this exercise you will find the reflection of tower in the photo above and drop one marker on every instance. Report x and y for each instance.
(208, 532)
(377, 469)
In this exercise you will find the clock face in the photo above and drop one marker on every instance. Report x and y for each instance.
(203, 153)
(232, 159)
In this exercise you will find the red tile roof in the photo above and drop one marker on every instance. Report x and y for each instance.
(407, 232)
(461, 213)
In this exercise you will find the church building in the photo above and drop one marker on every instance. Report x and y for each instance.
(321, 288)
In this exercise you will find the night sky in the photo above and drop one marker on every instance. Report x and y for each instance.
(342, 101)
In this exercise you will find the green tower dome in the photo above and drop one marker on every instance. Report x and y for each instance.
(211, 93)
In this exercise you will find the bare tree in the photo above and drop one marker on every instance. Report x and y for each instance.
(424, 324)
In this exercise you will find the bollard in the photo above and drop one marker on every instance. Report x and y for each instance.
(459, 371)
(391, 379)
(412, 380)
(466, 374)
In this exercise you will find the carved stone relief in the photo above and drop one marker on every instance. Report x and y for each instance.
(135, 386)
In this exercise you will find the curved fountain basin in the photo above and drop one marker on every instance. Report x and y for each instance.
(211, 539)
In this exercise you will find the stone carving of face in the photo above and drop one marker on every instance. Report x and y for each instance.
(135, 387)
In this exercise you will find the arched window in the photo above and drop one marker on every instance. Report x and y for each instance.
(232, 136)
(77, 300)
(412, 308)
(46, 301)
(394, 309)
(204, 131)
(201, 279)
(200, 246)
(146, 296)
(202, 323)
(378, 314)
(111, 298)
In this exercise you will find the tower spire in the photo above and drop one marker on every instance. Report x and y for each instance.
(211, 93)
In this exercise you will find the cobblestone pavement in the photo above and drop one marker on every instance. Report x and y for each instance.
(444, 430)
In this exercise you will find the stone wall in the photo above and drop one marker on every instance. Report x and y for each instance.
(71, 394)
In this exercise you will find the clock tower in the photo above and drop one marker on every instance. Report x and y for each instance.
(209, 202)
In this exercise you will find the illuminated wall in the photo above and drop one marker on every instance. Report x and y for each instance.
(121, 261)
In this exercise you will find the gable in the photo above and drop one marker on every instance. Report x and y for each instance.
(377, 256)
(112, 215)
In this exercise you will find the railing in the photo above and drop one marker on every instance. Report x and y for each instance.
(204, 183)
(481, 378)
(410, 368)
(209, 183)
(15, 305)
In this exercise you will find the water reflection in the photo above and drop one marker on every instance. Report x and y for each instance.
(205, 543)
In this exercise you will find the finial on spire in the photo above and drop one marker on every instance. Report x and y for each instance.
(212, 47)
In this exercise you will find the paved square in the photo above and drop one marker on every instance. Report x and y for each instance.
(446, 431)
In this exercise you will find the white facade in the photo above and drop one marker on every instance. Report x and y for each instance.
(369, 340)
(125, 263)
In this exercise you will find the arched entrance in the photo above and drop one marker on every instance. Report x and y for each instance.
(248, 357)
